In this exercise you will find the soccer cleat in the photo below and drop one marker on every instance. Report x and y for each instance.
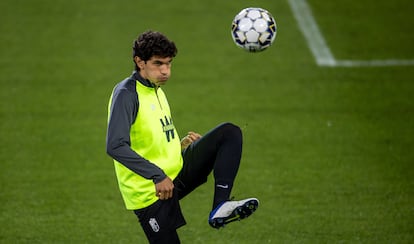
(230, 211)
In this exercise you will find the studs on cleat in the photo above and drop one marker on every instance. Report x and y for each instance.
(231, 211)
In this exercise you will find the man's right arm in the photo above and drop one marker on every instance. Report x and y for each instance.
(123, 111)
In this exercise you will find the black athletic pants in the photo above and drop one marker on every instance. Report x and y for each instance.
(219, 151)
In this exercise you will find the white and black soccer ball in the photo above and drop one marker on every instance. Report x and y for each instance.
(254, 29)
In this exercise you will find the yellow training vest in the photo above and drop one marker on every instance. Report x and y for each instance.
(154, 137)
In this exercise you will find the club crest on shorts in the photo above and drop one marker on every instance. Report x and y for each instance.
(154, 224)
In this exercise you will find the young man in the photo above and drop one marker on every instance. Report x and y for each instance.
(153, 167)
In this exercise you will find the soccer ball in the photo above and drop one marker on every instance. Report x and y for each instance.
(254, 29)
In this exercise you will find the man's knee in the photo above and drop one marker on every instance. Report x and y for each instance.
(230, 130)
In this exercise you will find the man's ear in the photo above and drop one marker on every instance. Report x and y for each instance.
(139, 62)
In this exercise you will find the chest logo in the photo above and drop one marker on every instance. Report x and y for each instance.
(152, 106)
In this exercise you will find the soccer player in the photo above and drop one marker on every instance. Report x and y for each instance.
(154, 168)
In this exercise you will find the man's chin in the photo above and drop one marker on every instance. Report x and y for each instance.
(161, 83)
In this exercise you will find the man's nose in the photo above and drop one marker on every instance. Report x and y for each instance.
(164, 69)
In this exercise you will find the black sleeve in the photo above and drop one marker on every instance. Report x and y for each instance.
(123, 111)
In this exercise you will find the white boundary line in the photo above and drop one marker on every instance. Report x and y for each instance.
(310, 30)
(320, 49)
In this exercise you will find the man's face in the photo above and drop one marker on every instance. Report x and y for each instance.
(156, 69)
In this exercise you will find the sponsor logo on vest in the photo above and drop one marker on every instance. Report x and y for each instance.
(168, 128)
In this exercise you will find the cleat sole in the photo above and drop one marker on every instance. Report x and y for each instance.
(238, 214)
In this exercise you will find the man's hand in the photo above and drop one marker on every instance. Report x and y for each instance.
(164, 189)
(188, 139)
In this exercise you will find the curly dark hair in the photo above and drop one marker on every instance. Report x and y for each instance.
(153, 43)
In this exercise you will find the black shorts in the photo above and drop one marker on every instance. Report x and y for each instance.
(161, 220)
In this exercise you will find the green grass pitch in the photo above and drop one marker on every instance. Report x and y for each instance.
(327, 150)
